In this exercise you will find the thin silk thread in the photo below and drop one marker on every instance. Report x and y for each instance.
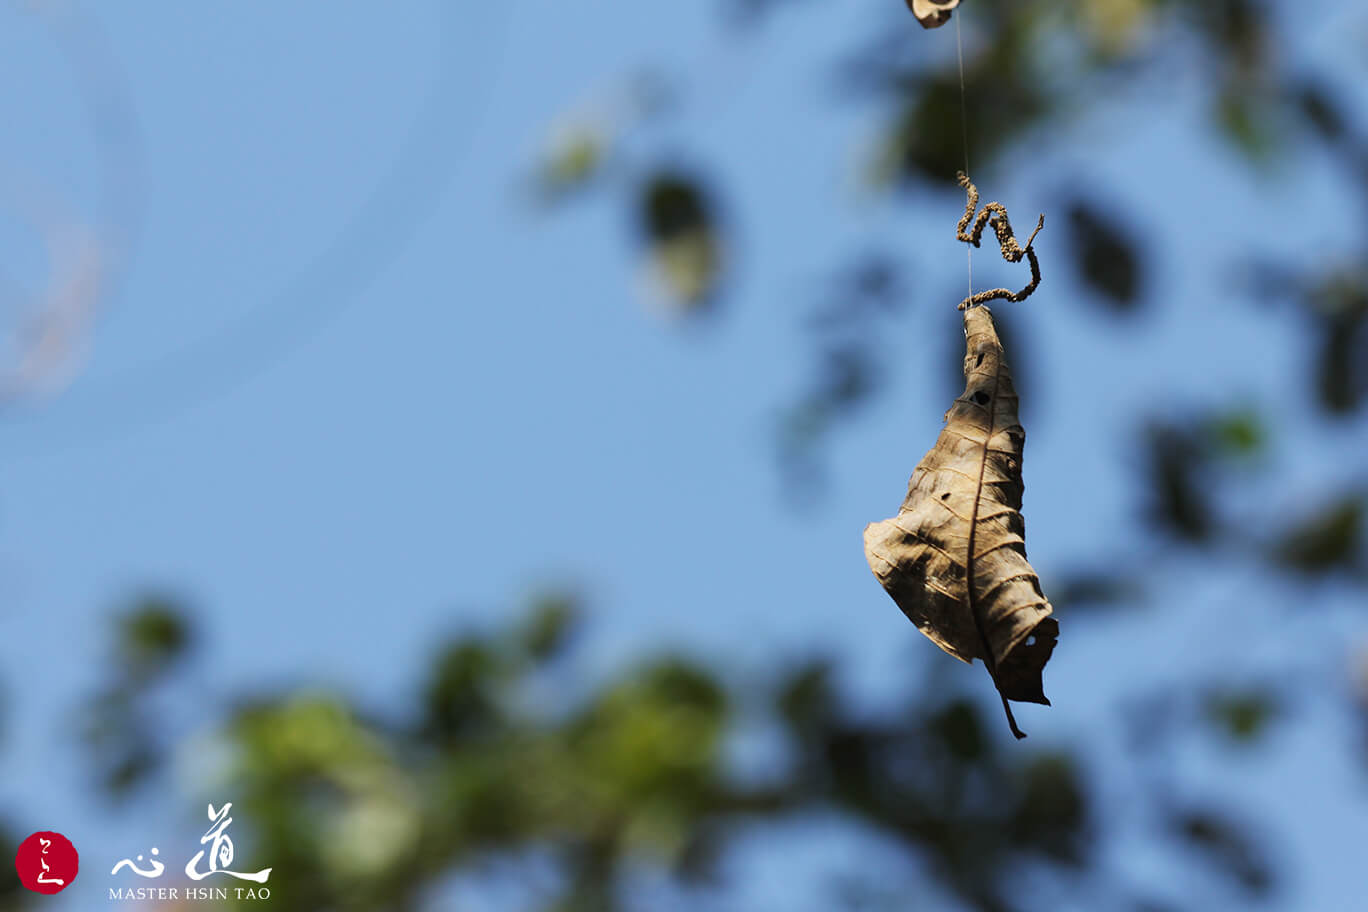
(964, 133)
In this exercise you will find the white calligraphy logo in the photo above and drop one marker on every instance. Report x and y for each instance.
(154, 871)
(42, 877)
(220, 855)
(221, 852)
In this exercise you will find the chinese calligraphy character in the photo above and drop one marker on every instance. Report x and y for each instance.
(42, 877)
(221, 851)
(154, 871)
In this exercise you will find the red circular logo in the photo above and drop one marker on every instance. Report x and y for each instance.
(46, 862)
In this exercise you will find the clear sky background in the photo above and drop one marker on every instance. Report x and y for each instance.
(350, 387)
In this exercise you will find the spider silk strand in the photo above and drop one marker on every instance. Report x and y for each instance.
(964, 135)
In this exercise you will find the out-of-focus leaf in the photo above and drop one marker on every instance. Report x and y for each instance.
(848, 378)
(927, 141)
(553, 619)
(1329, 539)
(1178, 498)
(1238, 31)
(849, 324)
(1246, 119)
(1052, 814)
(653, 737)
(1094, 590)
(1154, 905)
(1183, 459)
(1340, 306)
(1322, 111)
(152, 636)
(118, 724)
(12, 892)
(460, 700)
(806, 700)
(1105, 256)
(1227, 846)
(573, 161)
(750, 12)
(869, 288)
(960, 730)
(679, 226)
(1242, 715)
(1239, 433)
(1116, 27)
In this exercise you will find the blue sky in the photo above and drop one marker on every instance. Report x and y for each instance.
(342, 407)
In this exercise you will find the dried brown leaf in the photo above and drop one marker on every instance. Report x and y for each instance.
(932, 13)
(954, 558)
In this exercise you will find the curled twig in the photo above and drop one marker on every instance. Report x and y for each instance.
(1012, 252)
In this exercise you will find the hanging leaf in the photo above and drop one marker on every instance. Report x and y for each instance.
(932, 13)
(954, 558)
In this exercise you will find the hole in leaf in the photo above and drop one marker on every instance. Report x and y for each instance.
(1030, 640)
(981, 397)
(945, 496)
(979, 360)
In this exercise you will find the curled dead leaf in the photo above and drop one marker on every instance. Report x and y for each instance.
(932, 13)
(954, 558)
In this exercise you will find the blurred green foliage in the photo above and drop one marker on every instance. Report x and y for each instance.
(120, 725)
(368, 812)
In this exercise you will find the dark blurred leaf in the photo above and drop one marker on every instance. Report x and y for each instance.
(672, 205)
(1238, 31)
(152, 636)
(1052, 814)
(701, 858)
(870, 288)
(1330, 539)
(750, 12)
(1154, 905)
(927, 141)
(1224, 844)
(1105, 255)
(849, 324)
(118, 723)
(1094, 590)
(12, 892)
(1321, 110)
(847, 379)
(460, 700)
(807, 701)
(960, 730)
(1178, 462)
(547, 632)
(1340, 306)
(678, 224)
(1242, 715)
